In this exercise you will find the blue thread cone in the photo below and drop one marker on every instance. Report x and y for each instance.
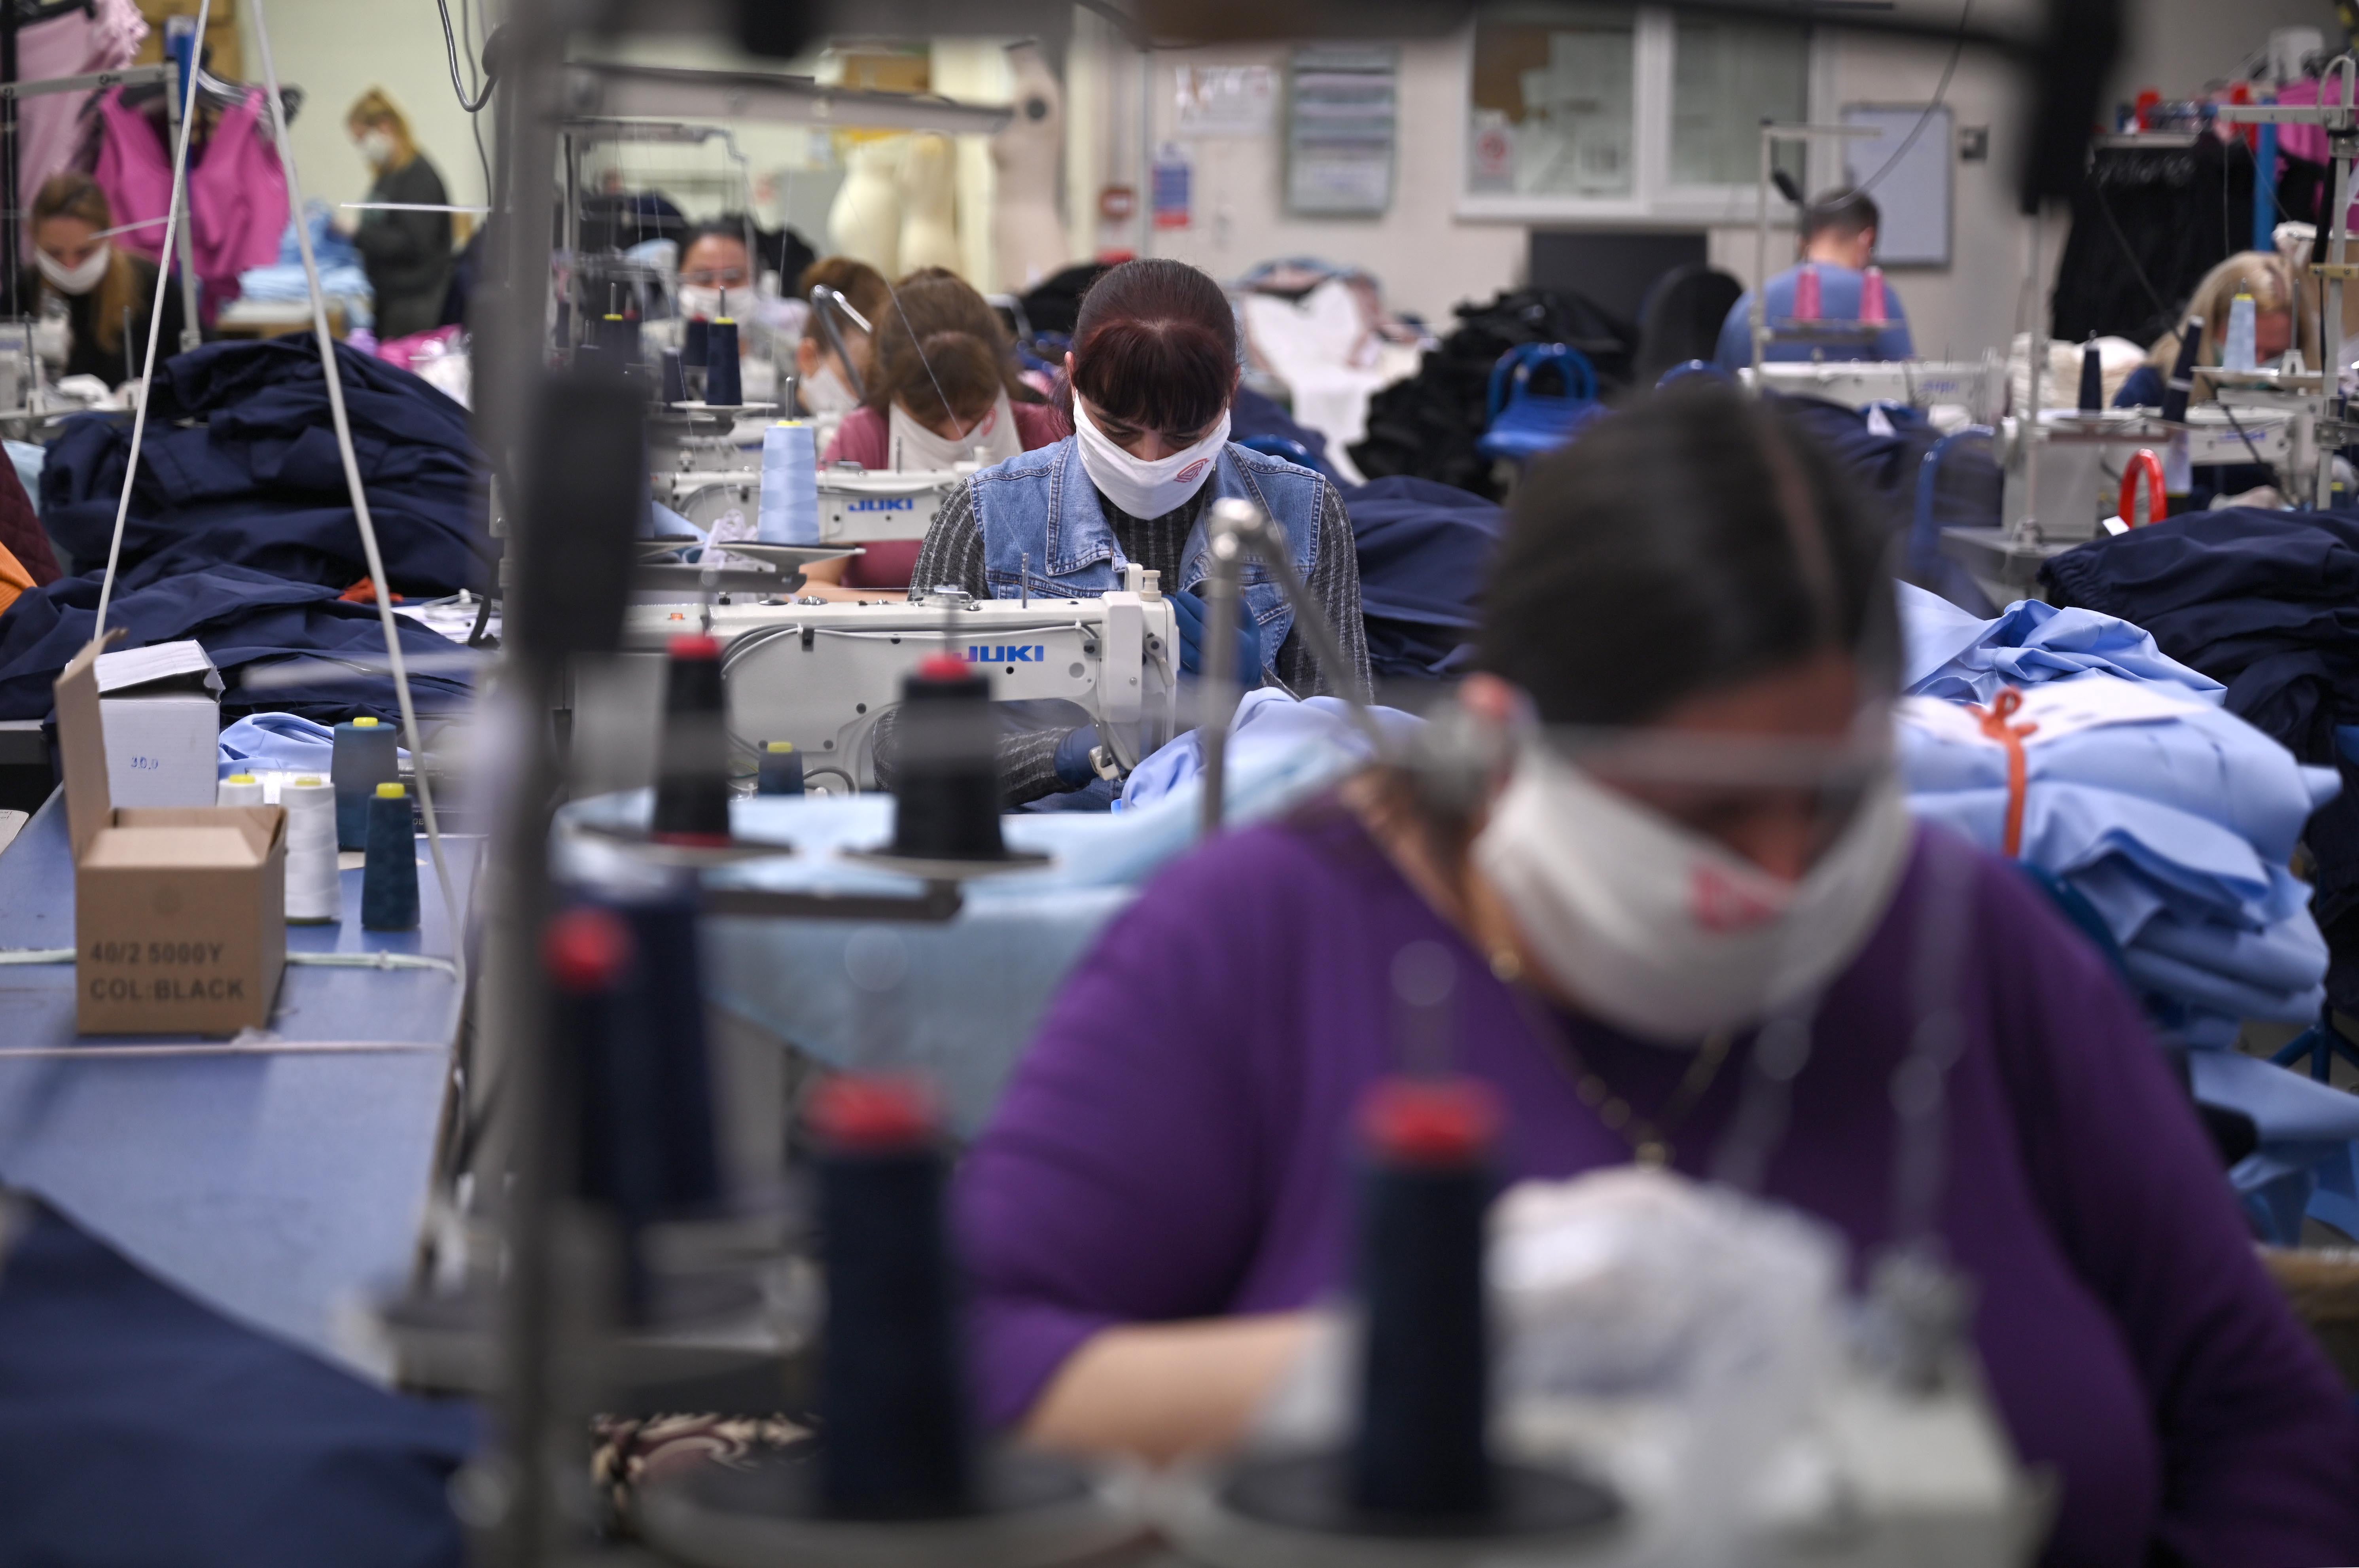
(365, 757)
(675, 377)
(781, 771)
(389, 880)
(723, 389)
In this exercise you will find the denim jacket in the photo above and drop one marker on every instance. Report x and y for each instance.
(1044, 530)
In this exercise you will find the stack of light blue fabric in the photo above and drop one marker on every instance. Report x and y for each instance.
(341, 275)
(2176, 829)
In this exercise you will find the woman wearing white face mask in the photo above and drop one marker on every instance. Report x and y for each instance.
(406, 250)
(1701, 839)
(942, 389)
(1152, 372)
(105, 293)
(827, 388)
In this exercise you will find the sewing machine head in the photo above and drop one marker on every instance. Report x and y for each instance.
(821, 675)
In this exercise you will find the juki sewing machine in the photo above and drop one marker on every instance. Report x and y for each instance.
(855, 505)
(821, 675)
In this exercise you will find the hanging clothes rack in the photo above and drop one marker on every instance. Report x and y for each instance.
(11, 209)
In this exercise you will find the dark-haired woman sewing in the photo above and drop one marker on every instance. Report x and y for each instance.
(1152, 372)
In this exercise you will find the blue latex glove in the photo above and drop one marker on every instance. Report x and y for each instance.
(1194, 614)
(1073, 769)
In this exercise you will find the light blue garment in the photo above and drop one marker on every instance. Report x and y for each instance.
(1839, 289)
(279, 743)
(976, 986)
(30, 460)
(2206, 761)
(1043, 529)
(1963, 658)
(1269, 722)
(342, 274)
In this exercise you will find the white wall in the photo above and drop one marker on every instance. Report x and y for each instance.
(337, 49)
(1428, 259)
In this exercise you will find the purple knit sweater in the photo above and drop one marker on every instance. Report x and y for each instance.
(1175, 1146)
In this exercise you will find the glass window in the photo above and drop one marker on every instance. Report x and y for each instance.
(1552, 104)
(1727, 76)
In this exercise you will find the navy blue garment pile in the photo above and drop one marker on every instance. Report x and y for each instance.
(1424, 548)
(241, 533)
(241, 617)
(2266, 602)
(1887, 466)
(240, 466)
(143, 1428)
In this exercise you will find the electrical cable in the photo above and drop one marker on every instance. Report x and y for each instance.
(1941, 95)
(155, 328)
(333, 375)
(451, 48)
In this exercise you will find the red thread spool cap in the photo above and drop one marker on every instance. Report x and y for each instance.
(1438, 1122)
(695, 645)
(587, 951)
(873, 1114)
(943, 667)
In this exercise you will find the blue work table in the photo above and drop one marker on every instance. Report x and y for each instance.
(274, 1184)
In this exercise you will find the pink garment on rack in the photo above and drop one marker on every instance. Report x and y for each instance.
(2306, 142)
(237, 193)
(72, 45)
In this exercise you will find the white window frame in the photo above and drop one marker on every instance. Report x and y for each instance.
(1654, 199)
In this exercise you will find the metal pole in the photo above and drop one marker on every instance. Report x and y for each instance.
(1218, 695)
(2346, 148)
(510, 319)
(190, 336)
(1760, 313)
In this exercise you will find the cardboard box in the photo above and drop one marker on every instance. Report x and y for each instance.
(180, 911)
(162, 711)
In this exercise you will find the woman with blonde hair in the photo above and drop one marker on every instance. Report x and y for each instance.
(407, 252)
(2284, 317)
(106, 291)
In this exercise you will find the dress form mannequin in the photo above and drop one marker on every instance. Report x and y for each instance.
(1027, 231)
(930, 204)
(864, 222)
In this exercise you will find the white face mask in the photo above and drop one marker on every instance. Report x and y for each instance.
(702, 299)
(1665, 933)
(377, 146)
(913, 447)
(79, 280)
(1141, 488)
(824, 392)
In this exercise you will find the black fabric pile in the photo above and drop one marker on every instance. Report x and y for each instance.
(2267, 604)
(1425, 427)
(1424, 550)
(241, 533)
(1887, 465)
(2170, 213)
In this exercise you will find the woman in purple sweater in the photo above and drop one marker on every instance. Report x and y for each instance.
(1167, 1183)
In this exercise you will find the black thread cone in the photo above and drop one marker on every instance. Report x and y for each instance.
(2176, 394)
(2092, 380)
(895, 1441)
(1422, 1450)
(946, 787)
(692, 775)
